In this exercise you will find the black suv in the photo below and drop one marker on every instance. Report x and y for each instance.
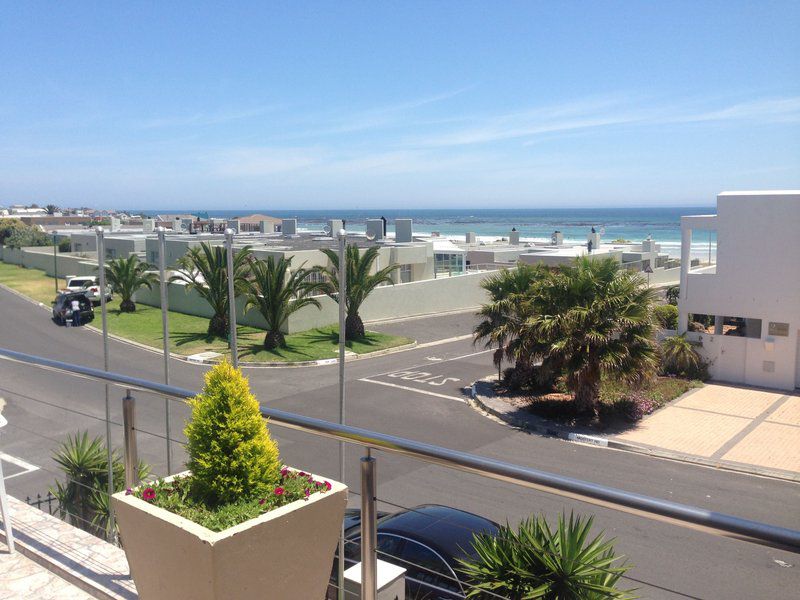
(62, 307)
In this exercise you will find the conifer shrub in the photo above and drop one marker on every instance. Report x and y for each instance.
(231, 454)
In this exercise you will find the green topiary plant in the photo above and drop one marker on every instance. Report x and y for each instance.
(231, 454)
(666, 315)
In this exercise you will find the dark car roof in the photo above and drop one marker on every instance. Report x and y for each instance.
(447, 530)
(71, 294)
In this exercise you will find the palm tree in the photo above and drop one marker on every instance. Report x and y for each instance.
(594, 318)
(679, 357)
(508, 302)
(204, 269)
(276, 292)
(51, 209)
(360, 283)
(125, 276)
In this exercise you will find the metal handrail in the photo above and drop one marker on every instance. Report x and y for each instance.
(629, 502)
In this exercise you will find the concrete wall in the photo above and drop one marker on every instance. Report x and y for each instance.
(42, 258)
(401, 300)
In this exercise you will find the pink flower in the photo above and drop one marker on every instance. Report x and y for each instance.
(308, 492)
(260, 502)
(303, 474)
(279, 491)
(149, 494)
(284, 471)
(328, 486)
(128, 492)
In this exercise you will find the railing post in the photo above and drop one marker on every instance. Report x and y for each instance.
(369, 529)
(129, 429)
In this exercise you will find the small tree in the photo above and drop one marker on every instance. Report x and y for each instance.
(673, 293)
(51, 209)
(26, 236)
(535, 561)
(360, 283)
(666, 315)
(231, 454)
(277, 293)
(679, 357)
(125, 276)
(204, 269)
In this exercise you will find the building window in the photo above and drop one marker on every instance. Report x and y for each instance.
(111, 253)
(315, 277)
(405, 273)
(153, 257)
(449, 263)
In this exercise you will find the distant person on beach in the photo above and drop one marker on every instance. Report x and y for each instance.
(590, 246)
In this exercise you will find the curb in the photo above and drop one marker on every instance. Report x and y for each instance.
(611, 443)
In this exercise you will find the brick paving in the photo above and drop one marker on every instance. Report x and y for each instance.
(742, 427)
(21, 578)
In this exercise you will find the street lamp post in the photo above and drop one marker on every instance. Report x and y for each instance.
(231, 300)
(101, 267)
(55, 260)
(162, 245)
(342, 342)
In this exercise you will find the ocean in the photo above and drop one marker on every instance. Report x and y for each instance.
(534, 224)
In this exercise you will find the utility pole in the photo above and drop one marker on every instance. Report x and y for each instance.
(342, 346)
(55, 260)
(163, 285)
(231, 300)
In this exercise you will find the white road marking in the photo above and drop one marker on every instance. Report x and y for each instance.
(441, 361)
(26, 466)
(413, 389)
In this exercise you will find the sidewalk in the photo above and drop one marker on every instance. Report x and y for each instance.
(727, 426)
(23, 579)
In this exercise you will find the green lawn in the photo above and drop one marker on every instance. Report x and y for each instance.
(188, 332)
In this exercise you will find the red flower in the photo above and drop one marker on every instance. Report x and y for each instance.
(328, 486)
(262, 501)
(279, 491)
(308, 492)
(284, 471)
(302, 473)
(149, 494)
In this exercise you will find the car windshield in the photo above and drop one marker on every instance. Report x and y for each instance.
(80, 282)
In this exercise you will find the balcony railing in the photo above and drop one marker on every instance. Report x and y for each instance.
(683, 515)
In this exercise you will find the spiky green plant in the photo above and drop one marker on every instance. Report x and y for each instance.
(593, 318)
(534, 561)
(360, 282)
(126, 276)
(204, 269)
(277, 292)
(83, 496)
(231, 454)
(679, 357)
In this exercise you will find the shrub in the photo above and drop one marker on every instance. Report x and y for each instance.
(634, 406)
(535, 561)
(679, 357)
(231, 454)
(673, 294)
(666, 315)
(65, 245)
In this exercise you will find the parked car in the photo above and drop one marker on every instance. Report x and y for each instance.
(62, 307)
(427, 541)
(88, 284)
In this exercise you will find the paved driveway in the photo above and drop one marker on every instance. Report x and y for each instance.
(752, 429)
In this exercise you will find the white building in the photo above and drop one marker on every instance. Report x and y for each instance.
(753, 291)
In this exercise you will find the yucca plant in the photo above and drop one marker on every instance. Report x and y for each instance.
(534, 561)
(360, 282)
(82, 497)
(679, 357)
(277, 292)
(204, 269)
(125, 276)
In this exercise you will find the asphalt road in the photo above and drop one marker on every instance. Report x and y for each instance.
(417, 394)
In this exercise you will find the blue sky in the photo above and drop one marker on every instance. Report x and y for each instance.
(396, 104)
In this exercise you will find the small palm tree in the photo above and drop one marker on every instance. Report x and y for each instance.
(501, 317)
(679, 357)
(51, 209)
(126, 276)
(277, 292)
(535, 561)
(204, 269)
(593, 318)
(360, 283)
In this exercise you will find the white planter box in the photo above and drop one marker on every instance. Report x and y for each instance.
(286, 553)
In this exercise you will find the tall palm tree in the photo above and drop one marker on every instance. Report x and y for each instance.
(204, 269)
(276, 292)
(125, 276)
(507, 307)
(360, 282)
(51, 209)
(594, 318)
